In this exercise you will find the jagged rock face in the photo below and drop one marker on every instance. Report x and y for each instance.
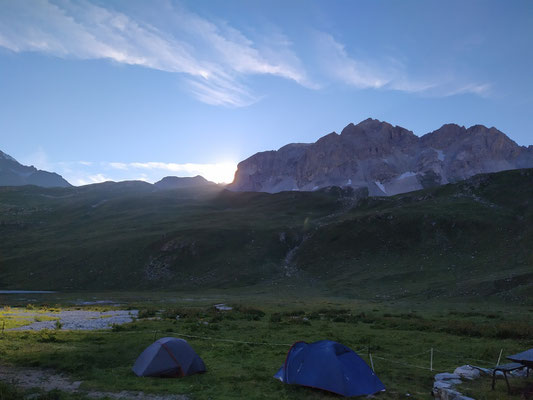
(475, 150)
(385, 159)
(12, 173)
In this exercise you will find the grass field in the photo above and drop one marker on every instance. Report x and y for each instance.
(468, 240)
(447, 268)
(399, 337)
(12, 318)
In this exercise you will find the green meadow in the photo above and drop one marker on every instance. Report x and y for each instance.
(243, 348)
(446, 268)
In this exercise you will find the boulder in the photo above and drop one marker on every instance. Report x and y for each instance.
(467, 372)
(446, 376)
(449, 394)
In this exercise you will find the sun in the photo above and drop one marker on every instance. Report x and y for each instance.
(221, 172)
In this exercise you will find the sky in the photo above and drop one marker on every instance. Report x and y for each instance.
(127, 89)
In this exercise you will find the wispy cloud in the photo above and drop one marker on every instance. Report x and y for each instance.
(212, 56)
(339, 65)
(386, 74)
(39, 159)
(90, 179)
(482, 90)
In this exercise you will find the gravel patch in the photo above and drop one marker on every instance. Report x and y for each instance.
(47, 380)
(81, 320)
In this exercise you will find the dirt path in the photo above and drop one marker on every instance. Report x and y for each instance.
(47, 380)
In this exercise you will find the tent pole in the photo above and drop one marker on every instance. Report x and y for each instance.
(499, 357)
(371, 362)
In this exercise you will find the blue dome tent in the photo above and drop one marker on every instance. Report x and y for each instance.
(168, 357)
(330, 366)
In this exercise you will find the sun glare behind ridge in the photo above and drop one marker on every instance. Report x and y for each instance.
(220, 172)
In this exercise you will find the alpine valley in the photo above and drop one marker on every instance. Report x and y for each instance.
(452, 225)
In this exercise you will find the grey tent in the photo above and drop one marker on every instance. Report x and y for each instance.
(168, 357)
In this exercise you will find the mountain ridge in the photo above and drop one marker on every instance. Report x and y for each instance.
(13, 173)
(384, 158)
(470, 239)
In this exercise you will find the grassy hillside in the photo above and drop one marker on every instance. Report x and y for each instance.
(474, 238)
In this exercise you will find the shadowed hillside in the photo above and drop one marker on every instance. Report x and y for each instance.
(473, 238)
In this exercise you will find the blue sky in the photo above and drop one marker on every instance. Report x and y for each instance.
(99, 90)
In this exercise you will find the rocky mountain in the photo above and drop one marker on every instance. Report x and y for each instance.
(12, 173)
(175, 182)
(385, 159)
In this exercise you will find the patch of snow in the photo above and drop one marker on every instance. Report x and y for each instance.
(380, 186)
(440, 154)
(406, 175)
(314, 188)
(349, 182)
(99, 203)
(223, 307)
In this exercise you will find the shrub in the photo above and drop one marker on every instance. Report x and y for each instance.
(47, 336)
(118, 328)
(276, 317)
(147, 313)
(8, 392)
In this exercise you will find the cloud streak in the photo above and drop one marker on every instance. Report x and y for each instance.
(371, 74)
(84, 30)
(213, 58)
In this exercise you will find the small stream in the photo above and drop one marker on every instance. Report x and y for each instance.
(26, 291)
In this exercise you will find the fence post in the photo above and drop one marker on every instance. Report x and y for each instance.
(431, 360)
(499, 357)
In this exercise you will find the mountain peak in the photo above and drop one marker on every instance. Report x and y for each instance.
(6, 156)
(12, 173)
(383, 158)
(367, 124)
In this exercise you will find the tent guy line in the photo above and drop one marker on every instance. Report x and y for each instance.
(362, 350)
